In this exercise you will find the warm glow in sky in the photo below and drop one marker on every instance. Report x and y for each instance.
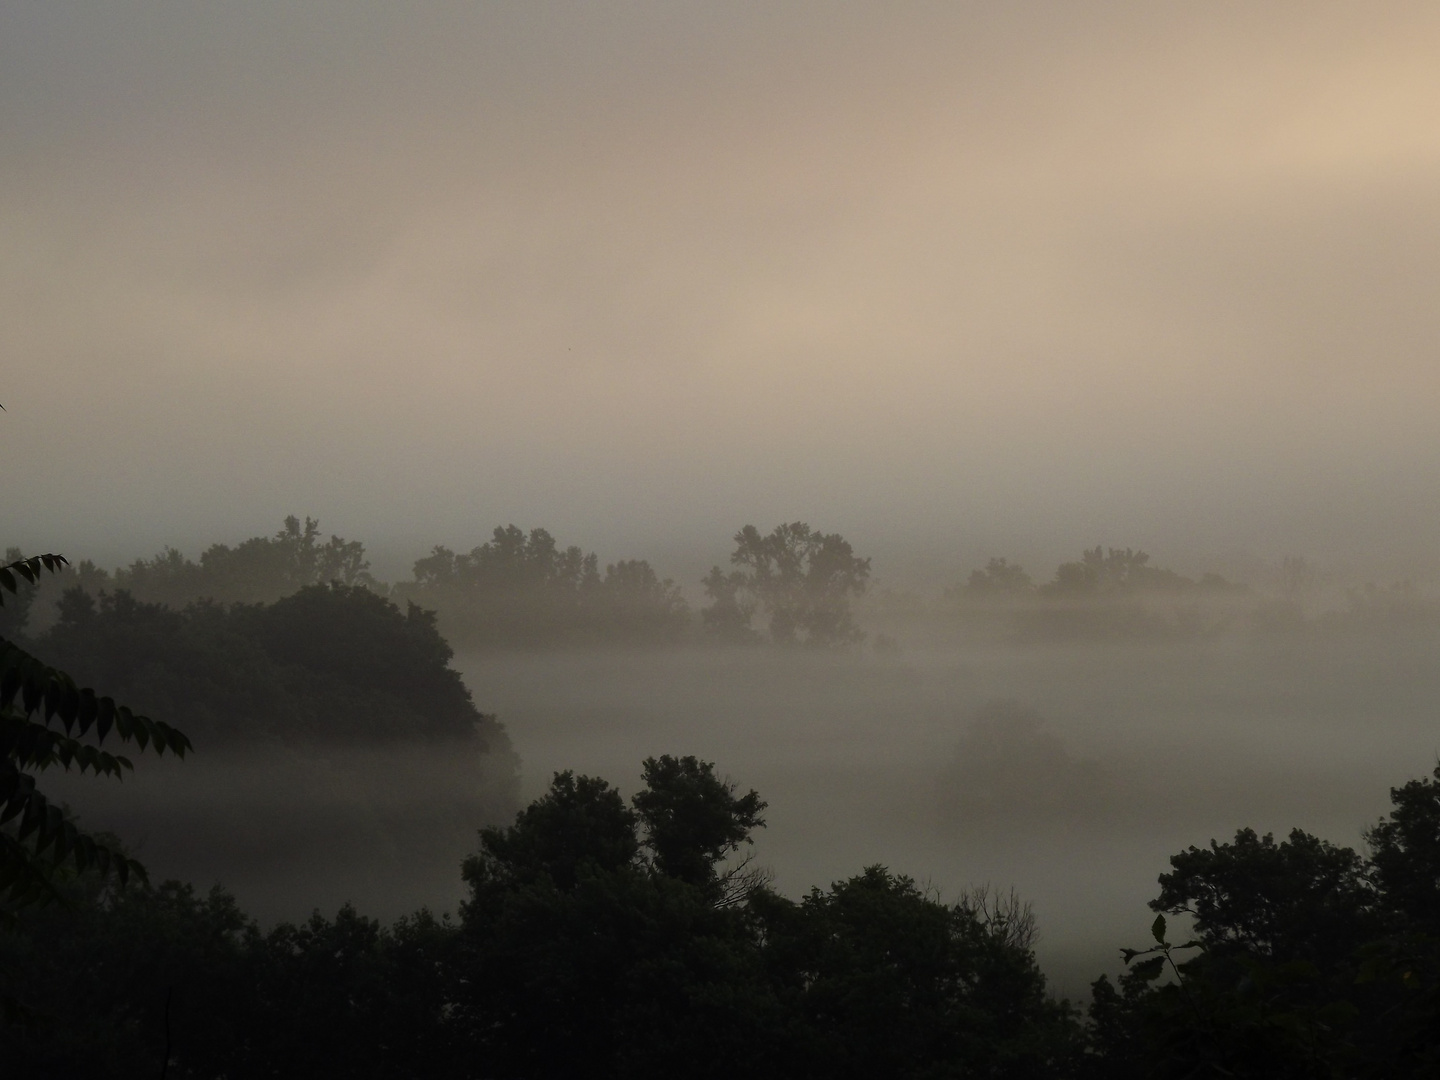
(952, 279)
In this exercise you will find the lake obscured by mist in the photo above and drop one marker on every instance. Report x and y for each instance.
(1108, 759)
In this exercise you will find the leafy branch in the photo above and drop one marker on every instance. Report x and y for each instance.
(44, 719)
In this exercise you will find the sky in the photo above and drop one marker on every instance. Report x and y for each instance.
(952, 279)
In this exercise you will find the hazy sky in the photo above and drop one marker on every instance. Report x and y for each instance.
(952, 279)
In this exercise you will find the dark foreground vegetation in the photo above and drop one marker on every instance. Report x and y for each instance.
(614, 939)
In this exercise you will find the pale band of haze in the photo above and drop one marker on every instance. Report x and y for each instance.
(953, 279)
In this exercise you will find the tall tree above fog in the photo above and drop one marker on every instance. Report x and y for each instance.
(799, 579)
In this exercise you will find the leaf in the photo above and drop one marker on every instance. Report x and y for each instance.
(1149, 970)
(1157, 929)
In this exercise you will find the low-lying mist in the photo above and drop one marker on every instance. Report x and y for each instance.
(1064, 737)
(1071, 772)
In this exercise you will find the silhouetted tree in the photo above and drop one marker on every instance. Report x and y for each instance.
(330, 662)
(522, 590)
(692, 818)
(46, 720)
(1309, 959)
(1000, 580)
(260, 569)
(800, 579)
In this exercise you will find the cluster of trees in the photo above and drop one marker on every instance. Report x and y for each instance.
(598, 937)
(1105, 593)
(1008, 767)
(1119, 593)
(626, 939)
(1098, 574)
(257, 570)
(1308, 960)
(522, 590)
(327, 663)
(791, 586)
(318, 685)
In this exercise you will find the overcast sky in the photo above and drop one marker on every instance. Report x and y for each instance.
(951, 279)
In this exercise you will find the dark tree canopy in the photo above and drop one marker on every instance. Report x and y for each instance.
(1405, 855)
(329, 662)
(692, 818)
(609, 950)
(1309, 959)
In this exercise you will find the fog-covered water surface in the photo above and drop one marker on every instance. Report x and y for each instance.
(1144, 750)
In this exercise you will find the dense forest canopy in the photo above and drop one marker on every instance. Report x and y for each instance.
(329, 662)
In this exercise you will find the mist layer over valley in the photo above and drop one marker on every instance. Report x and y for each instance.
(850, 521)
(1063, 739)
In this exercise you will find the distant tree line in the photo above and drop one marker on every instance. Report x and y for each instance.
(257, 570)
(607, 938)
(1106, 593)
(522, 590)
(793, 586)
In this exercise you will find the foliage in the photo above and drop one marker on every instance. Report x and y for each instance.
(328, 662)
(46, 719)
(1405, 856)
(611, 949)
(257, 570)
(522, 590)
(1001, 579)
(799, 579)
(891, 982)
(1314, 961)
(692, 818)
(1106, 593)
(168, 981)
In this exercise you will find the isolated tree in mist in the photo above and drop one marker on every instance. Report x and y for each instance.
(1000, 580)
(800, 579)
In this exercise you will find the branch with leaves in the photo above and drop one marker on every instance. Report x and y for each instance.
(48, 720)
